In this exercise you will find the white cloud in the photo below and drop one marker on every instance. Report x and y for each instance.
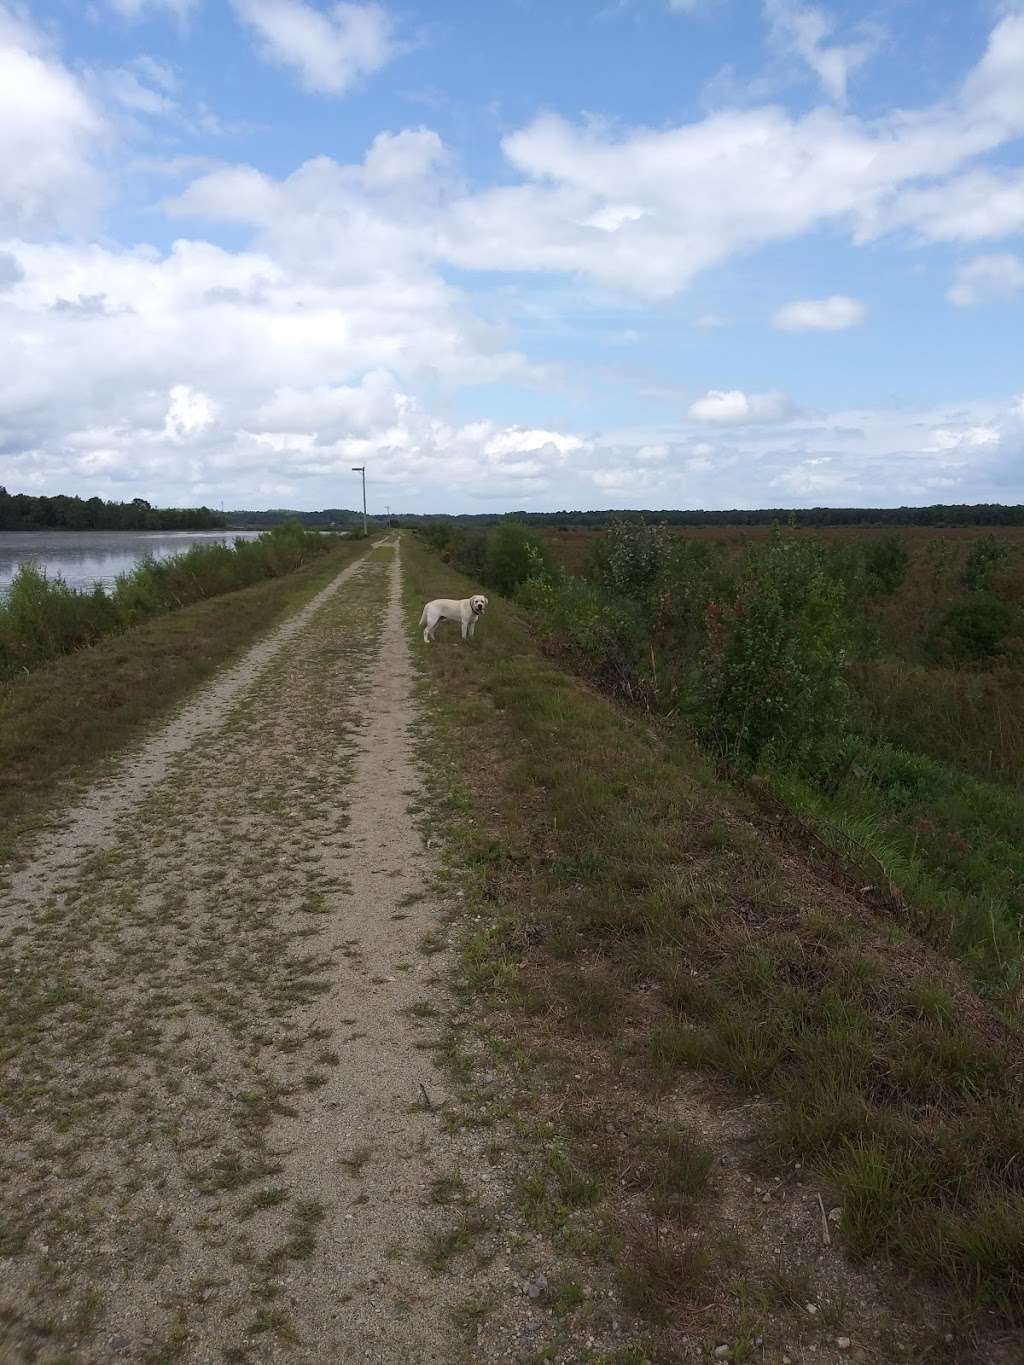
(50, 134)
(699, 193)
(700, 460)
(814, 477)
(823, 315)
(188, 414)
(517, 442)
(329, 49)
(945, 440)
(729, 407)
(130, 90)
(980, 204)
(403, 158)
(639, 210)
(805, 29)
(987, 278)
(201, 367)
(611, 217)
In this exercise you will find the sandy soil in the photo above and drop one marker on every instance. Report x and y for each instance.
(223, 1133)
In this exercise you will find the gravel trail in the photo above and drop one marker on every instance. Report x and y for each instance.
(222, 1133)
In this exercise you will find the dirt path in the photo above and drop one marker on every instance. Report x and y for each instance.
(221, 1129)
(90, 823)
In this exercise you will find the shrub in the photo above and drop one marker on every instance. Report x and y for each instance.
(773, 690)
(42, 617)
(631, 558)
(974, 630)
(515, 554)
(886, 561)
(986, 555)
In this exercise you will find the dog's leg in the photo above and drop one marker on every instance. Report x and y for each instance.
(465, 628)
(472, 628)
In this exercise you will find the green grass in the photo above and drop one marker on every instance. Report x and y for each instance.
(63, 722)
(969, 720)
(952, 844)
(616, 875)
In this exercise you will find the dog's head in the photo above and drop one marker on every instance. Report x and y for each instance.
(478, 604)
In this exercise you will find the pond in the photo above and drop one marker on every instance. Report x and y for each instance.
(84, 558)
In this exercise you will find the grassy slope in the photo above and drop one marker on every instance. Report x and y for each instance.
(932, 806)
(625, 901)
(60, 724)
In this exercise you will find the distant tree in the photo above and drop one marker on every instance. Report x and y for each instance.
(24, 512)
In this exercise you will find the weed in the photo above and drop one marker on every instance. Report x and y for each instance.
(356, 1160)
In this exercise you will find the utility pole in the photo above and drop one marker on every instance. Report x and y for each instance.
(361, 469)
(387, 507)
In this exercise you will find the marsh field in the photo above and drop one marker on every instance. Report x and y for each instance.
(959, 700)
(866, 683)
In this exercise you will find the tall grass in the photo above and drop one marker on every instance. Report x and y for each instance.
(42, 618)
(970, 719)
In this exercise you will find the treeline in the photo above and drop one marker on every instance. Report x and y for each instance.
(940, 515)
(337, 517)
(23, 512)
(343, 518)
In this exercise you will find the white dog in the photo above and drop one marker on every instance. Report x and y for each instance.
(467, 612)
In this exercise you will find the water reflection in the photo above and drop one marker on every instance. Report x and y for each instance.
(84, 558)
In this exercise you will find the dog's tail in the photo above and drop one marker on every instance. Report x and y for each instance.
(423, 617)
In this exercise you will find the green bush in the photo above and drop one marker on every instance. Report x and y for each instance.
(42, 617)
(986, 556)
(515, 554)
(974, 630)
(773, 687)
(631, 558)
(886, 561)
(607, 634)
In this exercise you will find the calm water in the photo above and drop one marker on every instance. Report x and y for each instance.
(83, 558)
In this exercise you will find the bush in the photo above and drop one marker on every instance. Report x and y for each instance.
(631, 558)
(515, 554)
(986, 556)
(773, 690)
(974, 630)
(607, 634)
(886, 561)
(42, 617)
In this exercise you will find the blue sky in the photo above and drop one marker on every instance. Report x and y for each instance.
(718, 253)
